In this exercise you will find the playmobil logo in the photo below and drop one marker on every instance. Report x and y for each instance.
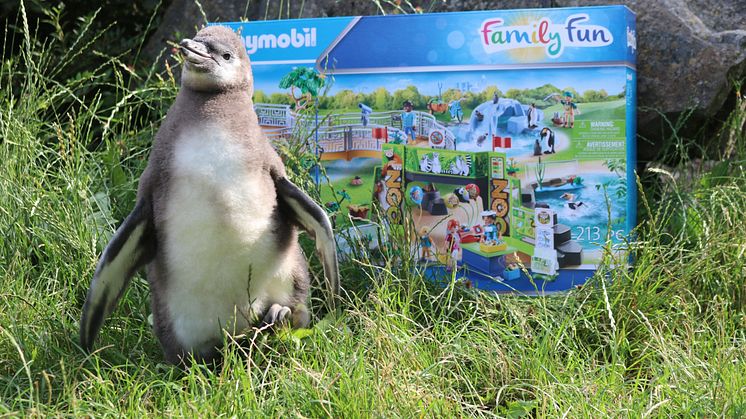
(553, 37)
(305, 37)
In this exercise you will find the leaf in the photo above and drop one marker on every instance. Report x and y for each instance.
(118, 177)
(716, 176)
(520, 408)
(289, 79)
(302, 333)
(100, 217)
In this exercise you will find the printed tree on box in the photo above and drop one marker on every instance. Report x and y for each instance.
(305, 79)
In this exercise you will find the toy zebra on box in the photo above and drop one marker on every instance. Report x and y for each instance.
(461, 165)
(430, 163)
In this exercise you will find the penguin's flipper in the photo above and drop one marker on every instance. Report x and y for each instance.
(132, 246)
(309, 215)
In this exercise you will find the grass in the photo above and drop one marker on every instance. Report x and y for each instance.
(666, 338)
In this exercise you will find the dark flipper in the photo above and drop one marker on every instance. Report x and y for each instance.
(314, 220)
(132, 246)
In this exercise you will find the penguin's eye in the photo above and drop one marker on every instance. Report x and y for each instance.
(226, 56)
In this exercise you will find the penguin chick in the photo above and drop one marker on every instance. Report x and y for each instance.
(218, 259)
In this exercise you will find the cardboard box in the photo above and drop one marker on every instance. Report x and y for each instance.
(522, 113)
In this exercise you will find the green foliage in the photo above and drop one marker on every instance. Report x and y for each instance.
(260, 97)
(69, 35)
(280, 99)
(513, 93)
(539, 170)
(411, 94)
(305, 79)
(512, 167)
(397, 138)
(452, 94)
(411, 160)
(591, 95)
(481, 165)
(489, 92)
(347, 99)
(383, 100)
(619, 168)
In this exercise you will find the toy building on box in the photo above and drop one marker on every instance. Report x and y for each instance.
(502, 141)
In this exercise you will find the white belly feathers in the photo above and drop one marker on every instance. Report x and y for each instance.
(220, 250)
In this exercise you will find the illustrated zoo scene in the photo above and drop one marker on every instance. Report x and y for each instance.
(461, 155)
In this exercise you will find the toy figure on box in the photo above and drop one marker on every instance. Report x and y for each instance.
(537, 147)
(547, 135)
(453, 243)
(531, 116)
(407, 120)
(491, 234)
(457, 113)
(426, 244)
(566, 100)
(570, 198)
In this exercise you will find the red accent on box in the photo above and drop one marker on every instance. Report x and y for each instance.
(500, 142)
(381, 133)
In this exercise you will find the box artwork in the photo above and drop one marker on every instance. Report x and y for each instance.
(502, 141)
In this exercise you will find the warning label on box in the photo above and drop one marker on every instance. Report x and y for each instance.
(599, 139)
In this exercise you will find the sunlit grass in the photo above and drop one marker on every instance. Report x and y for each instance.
(663, 339)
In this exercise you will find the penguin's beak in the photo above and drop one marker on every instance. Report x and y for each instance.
(194, 51)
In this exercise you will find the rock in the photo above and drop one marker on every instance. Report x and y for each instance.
(689, 51)
(516, 124)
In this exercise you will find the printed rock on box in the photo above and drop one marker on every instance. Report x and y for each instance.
(502, 135)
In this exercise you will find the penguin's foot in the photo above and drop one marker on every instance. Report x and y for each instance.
(277, 316)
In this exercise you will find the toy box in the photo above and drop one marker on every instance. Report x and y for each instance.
(502, 141)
